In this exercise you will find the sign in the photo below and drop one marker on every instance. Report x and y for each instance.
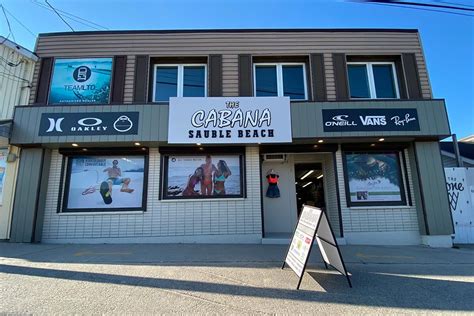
(242, 120)
(84, 81)
(373, 177)
(370, 120)
(460, 187)
(313, 225)
(91, 123)
(105, 182)
(3, 168)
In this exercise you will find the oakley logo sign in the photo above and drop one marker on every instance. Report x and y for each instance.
(340, 120)
(373, 120)
(83, 121)
(54, 125)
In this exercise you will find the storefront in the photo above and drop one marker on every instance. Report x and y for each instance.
(183, 163)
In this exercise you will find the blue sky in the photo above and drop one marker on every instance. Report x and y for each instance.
(448, 39)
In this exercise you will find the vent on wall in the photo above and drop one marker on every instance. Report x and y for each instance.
(274, 157)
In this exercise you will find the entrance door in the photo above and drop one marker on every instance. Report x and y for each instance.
(309, 185)
(279, 213)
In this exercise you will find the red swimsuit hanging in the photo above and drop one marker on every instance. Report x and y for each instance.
(272, 178)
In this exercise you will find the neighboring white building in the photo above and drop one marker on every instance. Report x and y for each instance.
(16, 73)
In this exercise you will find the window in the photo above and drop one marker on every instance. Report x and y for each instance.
(203, 176)
(287, 79)
(372, 80)
(373, 178)
(105, 183)
(179, 81)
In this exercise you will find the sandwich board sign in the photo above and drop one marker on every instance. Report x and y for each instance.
(313, 225)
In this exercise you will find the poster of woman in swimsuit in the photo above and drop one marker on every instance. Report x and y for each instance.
(206, 176)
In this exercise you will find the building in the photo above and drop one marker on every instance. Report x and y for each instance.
(264, 121)
(466, 152)
(16, 72)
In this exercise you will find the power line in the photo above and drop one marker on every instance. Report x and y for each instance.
(19, 22)
(423, 9)
(73, 17)
(419, 4)
(59, 15)
(8, 23)
(456, 3)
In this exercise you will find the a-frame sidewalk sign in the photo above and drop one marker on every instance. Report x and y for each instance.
(313, 225)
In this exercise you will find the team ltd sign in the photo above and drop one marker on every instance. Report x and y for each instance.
(223, 120)
(88, 124)
(369, 120)
(81, 81)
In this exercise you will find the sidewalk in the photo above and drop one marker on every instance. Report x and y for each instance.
(230, 279)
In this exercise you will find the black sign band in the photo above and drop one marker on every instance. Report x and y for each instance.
(369, 120)
(91, 123)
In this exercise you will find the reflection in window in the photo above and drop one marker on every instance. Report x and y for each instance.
(358, 81)
(166, 83)
(384, 83)
(266, 81)
(179, 81)
(293, 82)
(193, 83)
(372, 80)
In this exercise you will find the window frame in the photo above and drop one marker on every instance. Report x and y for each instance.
(279, 73)
(371, 79)
(65, 181)
(164, 166)
(180, 79)
(404, 190)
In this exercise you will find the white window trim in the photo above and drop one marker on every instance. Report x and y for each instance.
(180, 81)
(371, 81)
(279, 73)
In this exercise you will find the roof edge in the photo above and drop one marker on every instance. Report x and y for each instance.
(18, 48)
(296, 30)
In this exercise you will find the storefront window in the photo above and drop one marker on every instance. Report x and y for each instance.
(204, 176)
(81, 81)
(373, 178)
(376, 80)
(179, 81)
(287, 80)
(105, 183)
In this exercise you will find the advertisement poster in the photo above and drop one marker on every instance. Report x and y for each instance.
(203, 176)
(3, 168)
(83, 81)
(373, 177)
(299, 251)
(98, 182)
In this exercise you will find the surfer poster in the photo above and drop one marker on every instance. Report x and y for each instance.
(81, 81)
(105, 182)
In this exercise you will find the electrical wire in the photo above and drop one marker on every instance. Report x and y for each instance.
(73, 17)
(401, 5)
(8, 23)
(59, 15)
(19, 22)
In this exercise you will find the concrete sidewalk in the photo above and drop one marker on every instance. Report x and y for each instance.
(230, 279)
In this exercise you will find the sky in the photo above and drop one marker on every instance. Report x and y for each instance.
(447, 39)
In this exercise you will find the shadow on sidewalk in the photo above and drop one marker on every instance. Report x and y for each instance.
(382, 290)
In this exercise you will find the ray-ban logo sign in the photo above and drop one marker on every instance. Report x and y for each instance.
(357, 120)
(66, 124)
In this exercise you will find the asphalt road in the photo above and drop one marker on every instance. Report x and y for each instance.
(230, 279)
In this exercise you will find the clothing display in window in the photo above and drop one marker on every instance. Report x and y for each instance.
(272, 178)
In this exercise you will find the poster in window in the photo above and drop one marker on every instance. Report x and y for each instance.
(206, 176)
(81, 81)
(374, 177)
(105, 182)
(3, 168)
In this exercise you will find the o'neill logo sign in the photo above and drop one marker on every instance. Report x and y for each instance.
(358, 120)
(229, 120)
(85, 124)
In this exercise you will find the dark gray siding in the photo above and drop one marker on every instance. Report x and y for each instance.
(28, 194)
(153, 122)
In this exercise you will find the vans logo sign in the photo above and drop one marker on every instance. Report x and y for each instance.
(357, 120)
(82, 124)
(373, 120)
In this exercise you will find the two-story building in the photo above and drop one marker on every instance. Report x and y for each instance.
(220, 136)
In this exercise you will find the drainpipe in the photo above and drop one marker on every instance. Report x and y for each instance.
(456, 151)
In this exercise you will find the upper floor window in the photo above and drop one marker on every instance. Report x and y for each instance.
(281, 79)
(372, 80)
(179, 81)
